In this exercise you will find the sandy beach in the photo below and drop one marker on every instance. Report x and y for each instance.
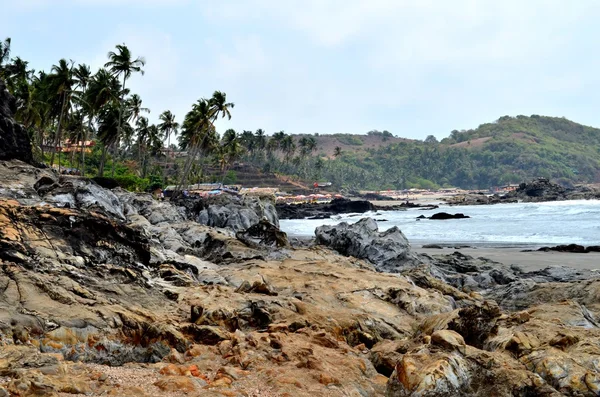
(437, 198)
(529, 261)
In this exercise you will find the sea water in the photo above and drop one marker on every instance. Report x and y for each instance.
(500, 225)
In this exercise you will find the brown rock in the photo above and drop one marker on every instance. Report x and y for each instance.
(176, 384)
(325, 340)
(326, 379)
(450, 340)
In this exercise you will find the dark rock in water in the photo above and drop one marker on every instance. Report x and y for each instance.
(14, 141)
(539, 188)
(434, 246)
(323, 211)
(388, 250)
(421, 217)
(593, 248)
(445, 215)
(574, 248)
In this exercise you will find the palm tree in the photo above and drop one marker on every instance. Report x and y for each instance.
(142, 130)
(198, 133)
(168, 126)
(82, 74)
(229, 153)
(288, 146)
(108, 130)
(135, 109)
(103, 90)
(135, 104)
(62, 85)
(260, 139)
(121, 63)
(219, 104)
(247, 140)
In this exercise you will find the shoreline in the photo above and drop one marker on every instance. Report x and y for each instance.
(529, 261)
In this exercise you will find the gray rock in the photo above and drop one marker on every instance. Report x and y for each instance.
(233, 212)
(389, 250)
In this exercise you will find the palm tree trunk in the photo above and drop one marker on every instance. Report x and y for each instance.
(102, 161)
(83, 146)
(58, 131)
(119, 127)
(168, 141)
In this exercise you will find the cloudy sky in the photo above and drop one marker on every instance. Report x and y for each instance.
(413, 67)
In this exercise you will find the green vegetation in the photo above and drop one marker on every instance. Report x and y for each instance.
(349, 139)
(510, 150)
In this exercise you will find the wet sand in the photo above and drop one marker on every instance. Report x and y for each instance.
(528, 261)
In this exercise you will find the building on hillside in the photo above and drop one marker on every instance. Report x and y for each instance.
(67, 146)
(505, 188)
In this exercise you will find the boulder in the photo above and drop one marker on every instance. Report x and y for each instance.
(323, 211)
(388, 251)
(233, 212)
(445, 215)
(14, 141)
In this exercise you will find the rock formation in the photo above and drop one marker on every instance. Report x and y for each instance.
(389, 250)
(323, 211)
(14, 141)
(538, 190)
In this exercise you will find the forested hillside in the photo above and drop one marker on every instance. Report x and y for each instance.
(511, 149)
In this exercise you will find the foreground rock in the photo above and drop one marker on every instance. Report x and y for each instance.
(323, 211)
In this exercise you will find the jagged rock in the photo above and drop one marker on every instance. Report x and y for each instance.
(233, 212)
(14, 141)
(388, 250)
(263, 233)
(206, 334)
(450, 340)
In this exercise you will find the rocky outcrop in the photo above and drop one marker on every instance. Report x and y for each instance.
(573, 248)
(323, 211)
(537, 190)
(445, 215)
(14, 141)
(388, 250)
(237, 213)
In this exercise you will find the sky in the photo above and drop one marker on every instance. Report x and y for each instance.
(412, 67)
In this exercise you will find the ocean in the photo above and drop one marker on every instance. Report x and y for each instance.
(500, 225)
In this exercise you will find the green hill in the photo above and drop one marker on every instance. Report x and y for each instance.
(512, 149)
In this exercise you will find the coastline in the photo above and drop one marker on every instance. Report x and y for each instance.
(528, 261)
